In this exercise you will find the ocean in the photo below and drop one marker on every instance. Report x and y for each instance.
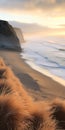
(47, 57)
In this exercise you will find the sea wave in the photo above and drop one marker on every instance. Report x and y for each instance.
(46, 55)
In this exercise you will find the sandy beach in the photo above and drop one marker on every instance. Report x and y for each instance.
(39, 86)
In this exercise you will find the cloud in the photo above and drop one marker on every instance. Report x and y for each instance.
(44, 12)
(62, 26)
(25, 4)
(49, 8)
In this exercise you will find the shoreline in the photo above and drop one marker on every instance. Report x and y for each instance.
(37, 85)
(46, 62)
(45, 72)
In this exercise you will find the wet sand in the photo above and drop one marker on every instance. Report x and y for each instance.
(39, 86)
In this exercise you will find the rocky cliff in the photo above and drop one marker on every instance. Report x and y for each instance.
(19, 34)
(8, 37)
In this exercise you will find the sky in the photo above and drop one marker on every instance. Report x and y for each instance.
(47, 13)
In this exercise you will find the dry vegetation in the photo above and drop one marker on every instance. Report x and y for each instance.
(18, 111)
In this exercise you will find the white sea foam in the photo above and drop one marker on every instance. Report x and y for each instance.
(47, 57)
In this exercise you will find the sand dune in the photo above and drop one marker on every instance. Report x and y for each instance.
(18, 111)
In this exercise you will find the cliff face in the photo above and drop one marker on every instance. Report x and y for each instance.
(19, 34)
(8, 37)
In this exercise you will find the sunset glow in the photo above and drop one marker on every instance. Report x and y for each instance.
(47, 13)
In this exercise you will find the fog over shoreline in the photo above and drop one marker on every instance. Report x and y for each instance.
(35, 30)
